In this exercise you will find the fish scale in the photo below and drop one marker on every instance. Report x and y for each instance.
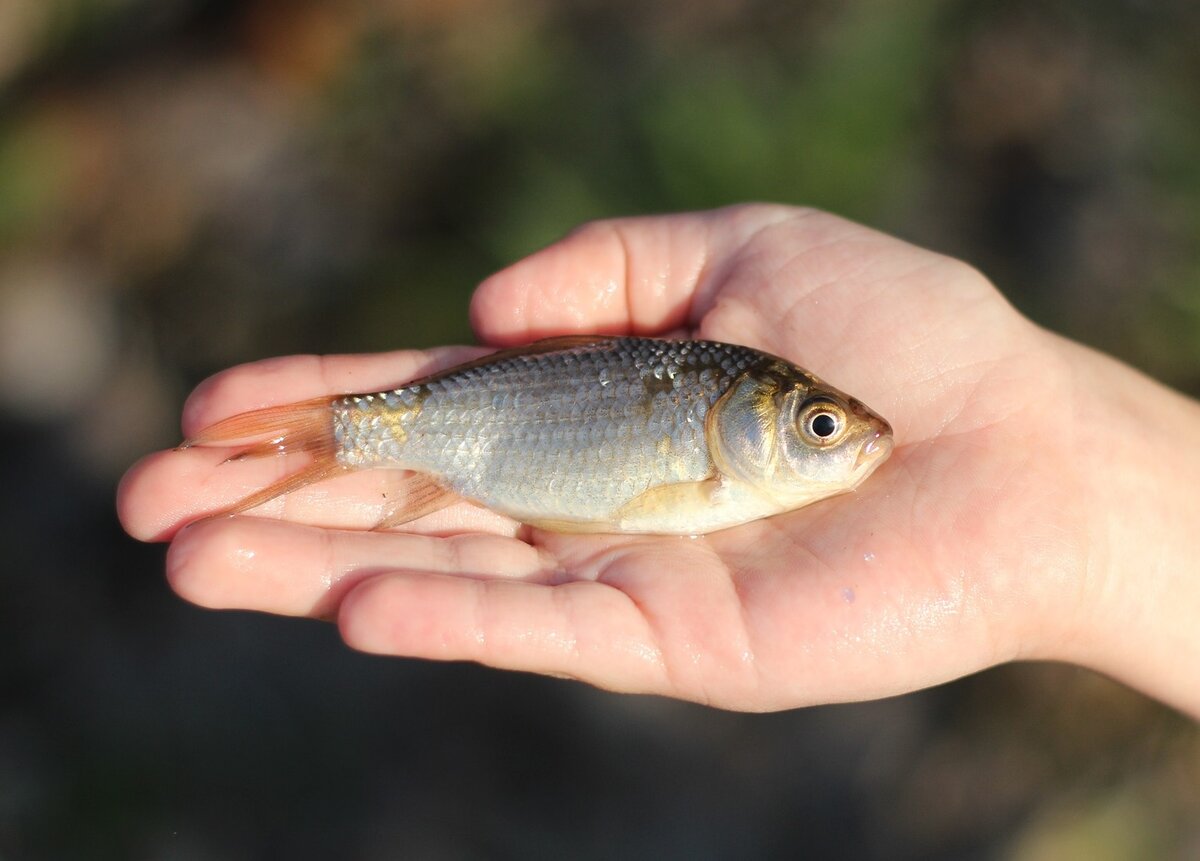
(631, 416)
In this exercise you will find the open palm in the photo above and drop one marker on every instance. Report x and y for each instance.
(966, 549)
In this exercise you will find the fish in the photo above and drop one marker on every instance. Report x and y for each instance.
(586, 433)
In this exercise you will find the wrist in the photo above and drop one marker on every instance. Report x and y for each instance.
(1139, 443)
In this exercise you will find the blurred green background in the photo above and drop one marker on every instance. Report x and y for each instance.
(185, 185)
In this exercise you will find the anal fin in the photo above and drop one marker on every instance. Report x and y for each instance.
(419, 495)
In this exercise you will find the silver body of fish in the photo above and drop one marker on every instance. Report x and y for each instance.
(597, 434)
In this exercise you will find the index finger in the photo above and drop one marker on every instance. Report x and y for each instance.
(643, 275)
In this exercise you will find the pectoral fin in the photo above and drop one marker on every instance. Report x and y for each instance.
(668, 501)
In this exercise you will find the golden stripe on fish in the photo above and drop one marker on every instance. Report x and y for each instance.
(593, 434)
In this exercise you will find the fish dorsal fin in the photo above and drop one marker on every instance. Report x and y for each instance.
(536, 348)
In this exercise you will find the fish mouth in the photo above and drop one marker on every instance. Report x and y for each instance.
(874, 451)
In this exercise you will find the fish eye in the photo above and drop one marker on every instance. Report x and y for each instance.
(823, 422)
(823, 425)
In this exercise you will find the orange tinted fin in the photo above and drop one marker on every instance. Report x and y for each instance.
(420, 495)
(306, 426)
(319, 470)
(669, 499)
(537, 348)
(302, 426)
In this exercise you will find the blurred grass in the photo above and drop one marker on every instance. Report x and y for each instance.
(31, 160)
(203, 183)
(733, 127)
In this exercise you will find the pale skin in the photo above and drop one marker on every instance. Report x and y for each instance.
(1041, 502)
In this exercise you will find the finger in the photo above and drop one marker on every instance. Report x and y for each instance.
(296, 378)
(581, 629)
(166, 490)
(627, 275)
(255, 564)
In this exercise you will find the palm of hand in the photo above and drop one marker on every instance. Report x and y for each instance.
(945, 561)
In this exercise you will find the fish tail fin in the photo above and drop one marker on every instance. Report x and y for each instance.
(302, 426)
(306, 426)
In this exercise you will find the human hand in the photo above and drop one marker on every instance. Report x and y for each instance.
(1000, 529)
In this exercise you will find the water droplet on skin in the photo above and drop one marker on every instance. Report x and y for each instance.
(868, 557)
(848, 595)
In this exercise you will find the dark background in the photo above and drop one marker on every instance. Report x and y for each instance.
(186, 185)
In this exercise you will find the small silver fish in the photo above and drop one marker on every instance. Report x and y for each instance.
(589, 434)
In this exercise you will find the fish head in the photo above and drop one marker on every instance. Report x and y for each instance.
(828, 440)
(795, 438)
